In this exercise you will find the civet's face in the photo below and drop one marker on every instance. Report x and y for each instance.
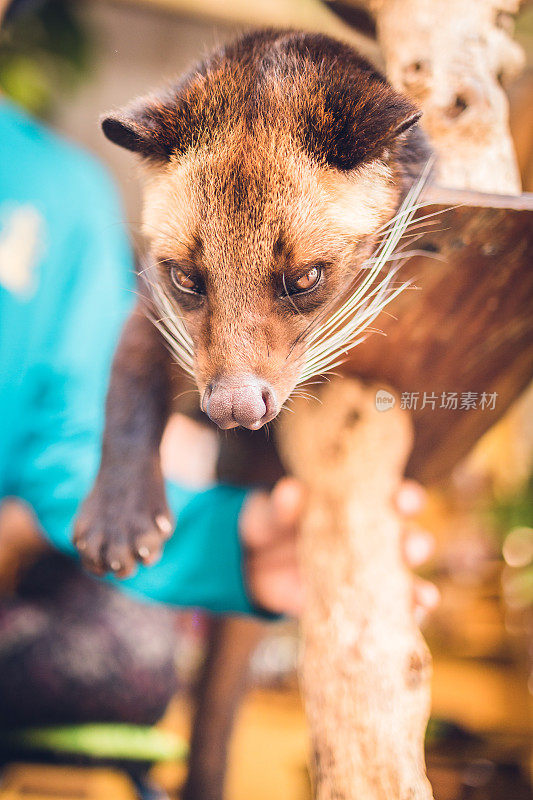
(251, 248)
(257, 216)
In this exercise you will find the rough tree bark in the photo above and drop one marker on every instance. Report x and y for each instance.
(366, 668)
(451, 57)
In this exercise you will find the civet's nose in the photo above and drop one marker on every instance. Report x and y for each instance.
(239, 400)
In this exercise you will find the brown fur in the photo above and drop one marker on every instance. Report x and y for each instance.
(279, 152)
(336, 106)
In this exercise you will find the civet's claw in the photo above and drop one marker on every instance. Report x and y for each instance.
(164, 524)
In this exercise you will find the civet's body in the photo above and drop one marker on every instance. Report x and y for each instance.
(270, 169)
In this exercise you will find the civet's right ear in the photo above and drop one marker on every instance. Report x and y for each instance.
(148, 126)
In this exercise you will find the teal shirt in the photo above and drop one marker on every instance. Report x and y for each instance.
(66, 287)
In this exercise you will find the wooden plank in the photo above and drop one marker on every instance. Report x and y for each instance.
(467, 327)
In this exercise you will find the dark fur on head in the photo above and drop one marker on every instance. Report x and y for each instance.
(340, 110)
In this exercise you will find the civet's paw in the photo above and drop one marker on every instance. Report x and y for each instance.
(114, 534)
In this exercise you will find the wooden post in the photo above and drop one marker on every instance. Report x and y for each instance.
(365, 667)
(452, 57)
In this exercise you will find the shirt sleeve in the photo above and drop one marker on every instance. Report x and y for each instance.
(63, 413)
(201, 564)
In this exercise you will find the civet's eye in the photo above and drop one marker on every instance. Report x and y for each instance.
(306, 282)
(184, 282)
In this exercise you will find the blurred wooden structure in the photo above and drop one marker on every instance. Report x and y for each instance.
(465, 329)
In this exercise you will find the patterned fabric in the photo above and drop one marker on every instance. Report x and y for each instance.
(73, 649)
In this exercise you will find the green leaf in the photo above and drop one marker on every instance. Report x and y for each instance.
(104, 740)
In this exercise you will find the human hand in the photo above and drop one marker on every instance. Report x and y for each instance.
(269, 525)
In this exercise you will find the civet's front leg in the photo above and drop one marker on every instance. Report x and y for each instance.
(125, 518)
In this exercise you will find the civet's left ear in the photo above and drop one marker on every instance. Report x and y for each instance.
(359, 119)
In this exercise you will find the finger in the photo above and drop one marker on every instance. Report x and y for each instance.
(267, 518)
(410, 498)
(288, 500)
(418, 546)
(426, 596)
(279, 589)
(286, 593)
(281, 553)
(255, 520)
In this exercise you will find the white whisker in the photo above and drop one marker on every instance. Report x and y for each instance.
(330, 342)
(171, 326)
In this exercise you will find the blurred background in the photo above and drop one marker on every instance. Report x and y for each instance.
(66, 62)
